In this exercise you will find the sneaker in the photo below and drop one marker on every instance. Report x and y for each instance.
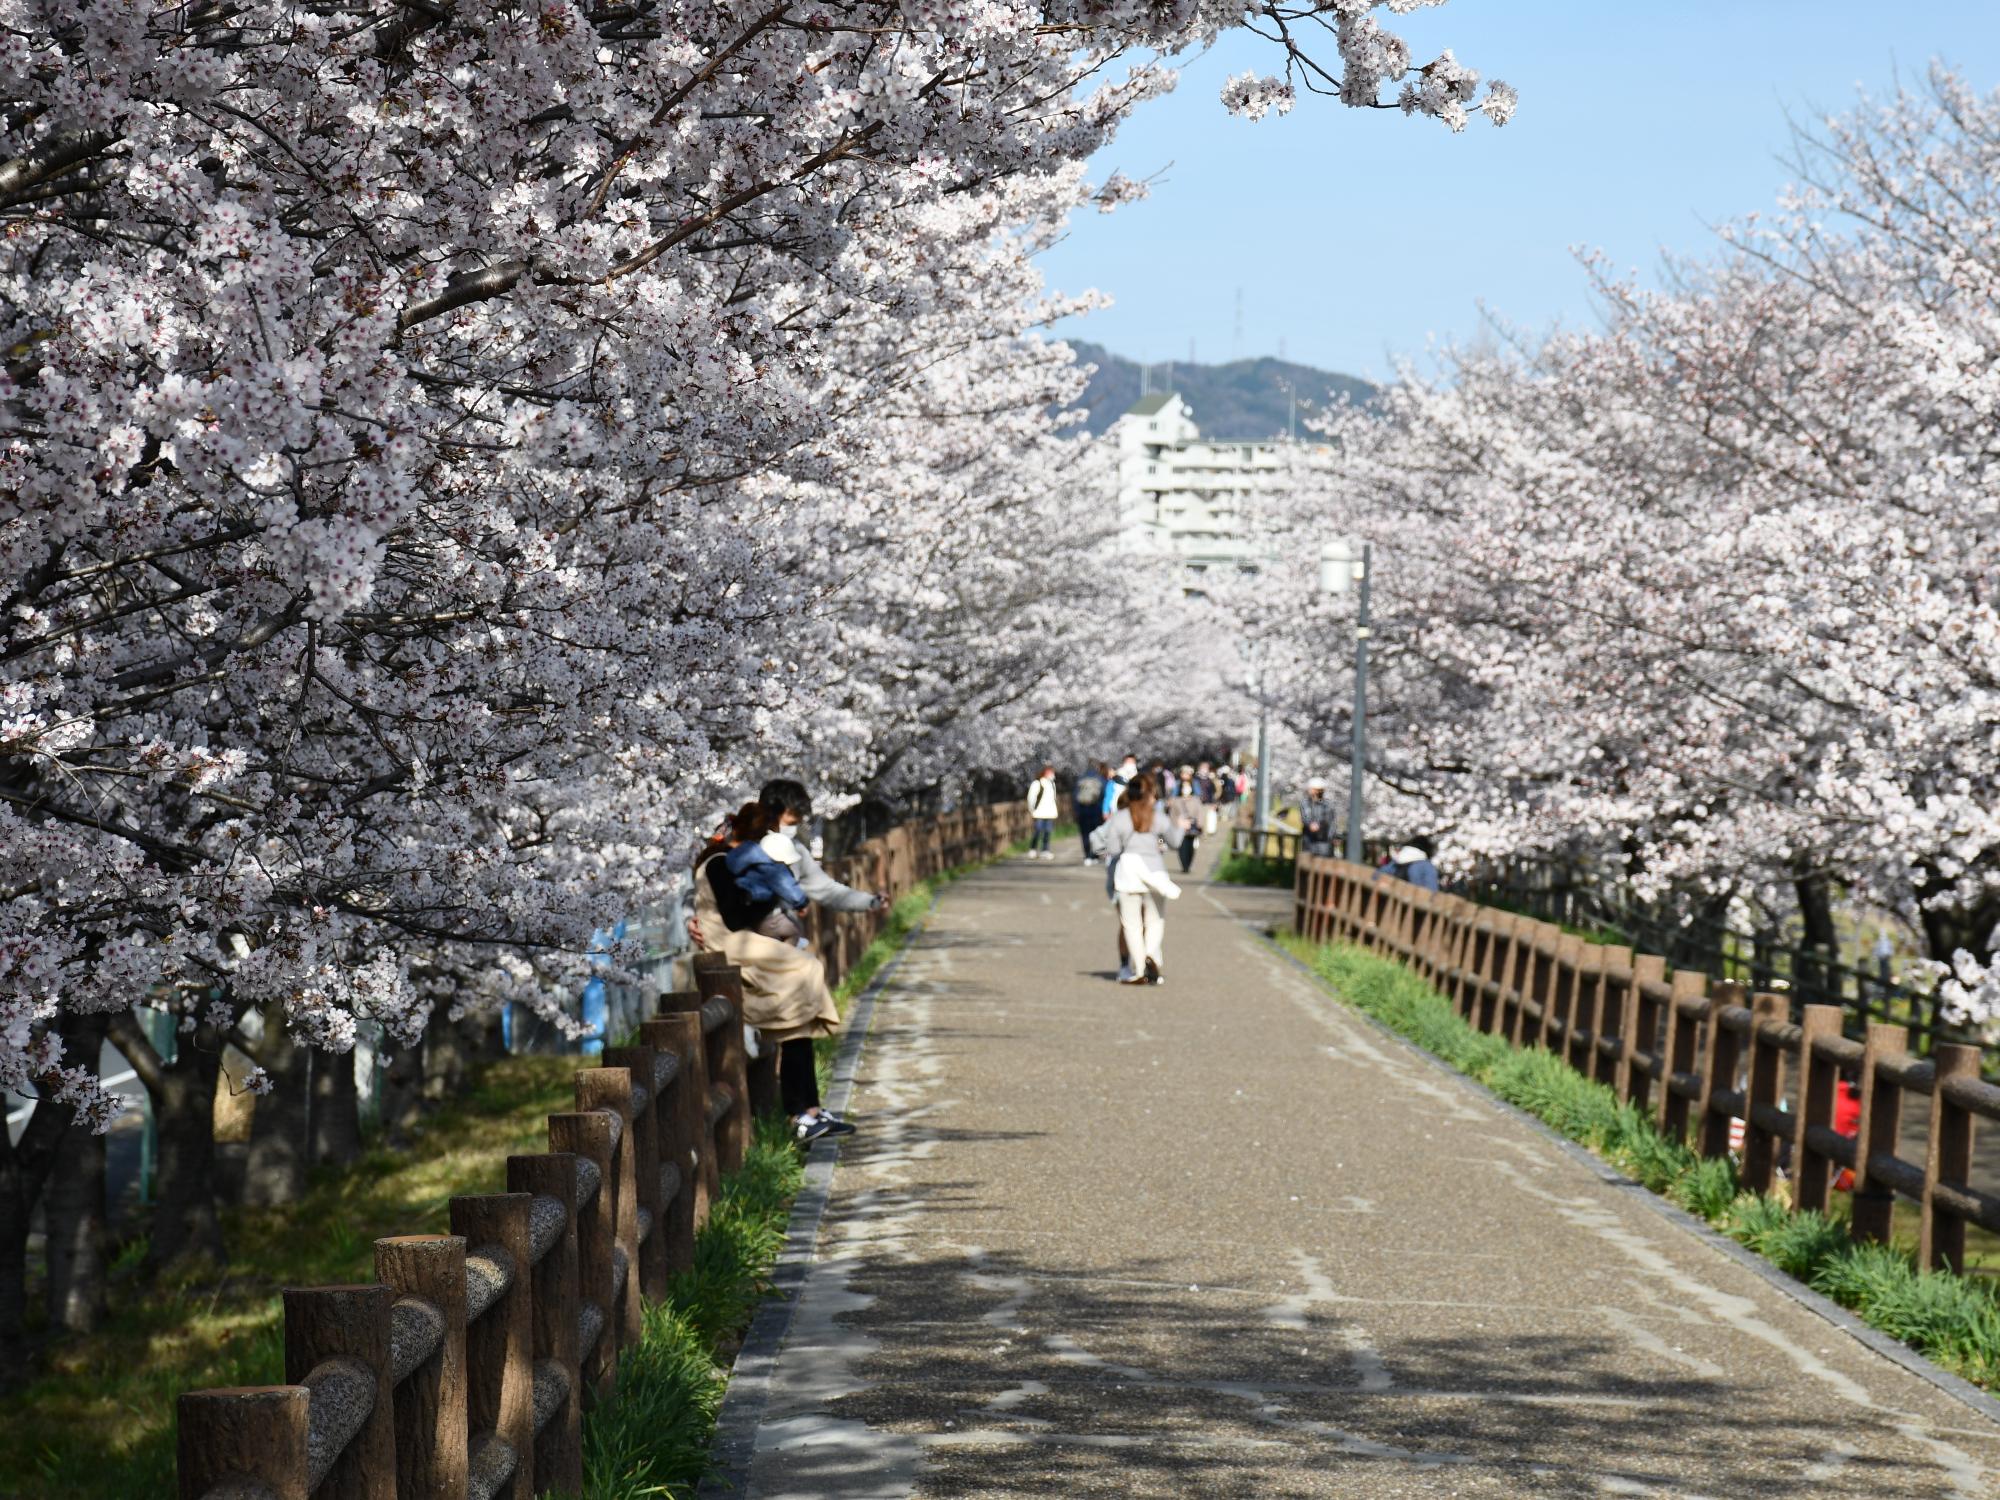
(805, 1131)
(1153, 974)
(1124, 973)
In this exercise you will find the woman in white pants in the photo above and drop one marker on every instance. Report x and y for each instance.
(1137, 835)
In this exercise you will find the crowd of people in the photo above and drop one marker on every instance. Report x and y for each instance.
(1131, 818)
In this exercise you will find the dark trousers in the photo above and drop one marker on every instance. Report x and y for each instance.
(798, 1078)
(1040, 838)
(1187, 853)
(1087, 823)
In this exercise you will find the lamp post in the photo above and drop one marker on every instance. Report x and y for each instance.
(1359, 755)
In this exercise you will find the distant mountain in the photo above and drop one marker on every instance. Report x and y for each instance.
(1242, 401)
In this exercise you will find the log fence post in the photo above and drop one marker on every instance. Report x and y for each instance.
(337, 1344)
(1940, 1232)
(242, 1436)
(1767, 1088)
(1819, 1090)
(608, 1091)
(551, 1183)
(1685, 1013)
(586, 1135)
(649, 1113)
(427, 1271)
(718, 979)
(1721, 1062)
(1878, 1133)
(1644, 1051)
(1614, 1009)
(499, 1343)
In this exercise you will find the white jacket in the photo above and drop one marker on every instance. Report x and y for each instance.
(1042, 799)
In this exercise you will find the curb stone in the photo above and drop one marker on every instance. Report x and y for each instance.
(748, 1394)
(1894, 1350)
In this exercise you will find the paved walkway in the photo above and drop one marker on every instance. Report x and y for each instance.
(1222, 1238)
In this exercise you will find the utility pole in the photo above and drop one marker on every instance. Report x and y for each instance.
(1359, 755)
(1263, 764)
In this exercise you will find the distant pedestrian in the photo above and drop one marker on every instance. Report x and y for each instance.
(1316, 819)
(1134, 839)
(1087, 797)
(1414, 863)
(1185, 808)
(1043, 806)
(1115, 787)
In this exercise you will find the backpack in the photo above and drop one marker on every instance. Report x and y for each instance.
(1089, 789)
(740, 911)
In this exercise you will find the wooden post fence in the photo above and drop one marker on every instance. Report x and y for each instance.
(1697, 1058)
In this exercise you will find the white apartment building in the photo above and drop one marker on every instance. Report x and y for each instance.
(1181, 494)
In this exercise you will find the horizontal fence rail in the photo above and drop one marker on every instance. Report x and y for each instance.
(1706, 1059)
(464, 1368)
(1763, 959)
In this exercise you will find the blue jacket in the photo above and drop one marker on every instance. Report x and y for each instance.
(1113, 790)
(762, 878)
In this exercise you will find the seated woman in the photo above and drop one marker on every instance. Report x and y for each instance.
(785, 994)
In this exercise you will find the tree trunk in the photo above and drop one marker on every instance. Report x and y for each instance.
(74, 1199)
(77, 1232)
(1819, 942)
(336, 1110)
(402, 1090)
(275, 1166)
(25, 1166)
(447, 1059)
(186, 1225)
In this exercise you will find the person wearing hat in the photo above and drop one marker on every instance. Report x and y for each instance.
(1316, 819)
(1184, 805)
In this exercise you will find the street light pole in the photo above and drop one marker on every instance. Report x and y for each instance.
(1359, 755)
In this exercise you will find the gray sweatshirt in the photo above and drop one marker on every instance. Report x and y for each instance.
(1120, 838)
(823, 889)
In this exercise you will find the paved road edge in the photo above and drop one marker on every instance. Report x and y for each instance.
(1894, 1350)
(748, 1394)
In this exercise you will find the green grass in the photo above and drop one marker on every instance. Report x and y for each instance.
(1954, 1320)
(1238, 868)
(652, 1437)
(98, 1423)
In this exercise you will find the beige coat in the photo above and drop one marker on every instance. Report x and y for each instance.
(784, 988)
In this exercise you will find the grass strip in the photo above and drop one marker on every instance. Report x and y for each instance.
(652, 1437)
(1951, 1319)
(1238, 868)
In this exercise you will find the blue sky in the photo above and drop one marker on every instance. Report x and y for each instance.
(1357, 236)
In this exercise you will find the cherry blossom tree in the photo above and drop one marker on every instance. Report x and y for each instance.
(439, 449)
(1711, 590)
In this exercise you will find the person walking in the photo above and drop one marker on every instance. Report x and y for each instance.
(1087, 797)
(1134, 839)
(1186, 810)
(1316, 819)
(1043, 805)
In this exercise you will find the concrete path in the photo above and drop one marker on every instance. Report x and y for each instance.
(1222, 1238)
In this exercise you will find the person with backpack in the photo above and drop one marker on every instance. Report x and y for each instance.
(1087, 798)
(1042, 808)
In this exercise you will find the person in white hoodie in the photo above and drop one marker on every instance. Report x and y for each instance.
(1044, 806)
(1413, 863)
(1135, 840)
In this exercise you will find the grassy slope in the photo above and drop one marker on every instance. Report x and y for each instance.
(100, 1421)
(98, 1425)
(1955, 1320)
